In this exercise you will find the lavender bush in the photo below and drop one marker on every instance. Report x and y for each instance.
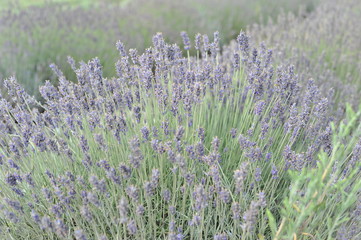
(180, 148)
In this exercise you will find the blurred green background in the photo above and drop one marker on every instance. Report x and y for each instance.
(36, 33)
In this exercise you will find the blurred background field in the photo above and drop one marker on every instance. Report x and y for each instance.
(36, 33)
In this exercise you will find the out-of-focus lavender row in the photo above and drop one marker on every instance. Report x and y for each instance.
(324, 44)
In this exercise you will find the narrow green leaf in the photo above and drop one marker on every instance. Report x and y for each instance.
(272, 222)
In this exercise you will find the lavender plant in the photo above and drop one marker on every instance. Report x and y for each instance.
(216, 146)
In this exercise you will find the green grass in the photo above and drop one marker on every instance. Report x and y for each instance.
(21, 4)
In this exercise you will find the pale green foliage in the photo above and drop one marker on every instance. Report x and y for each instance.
(322, 199)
